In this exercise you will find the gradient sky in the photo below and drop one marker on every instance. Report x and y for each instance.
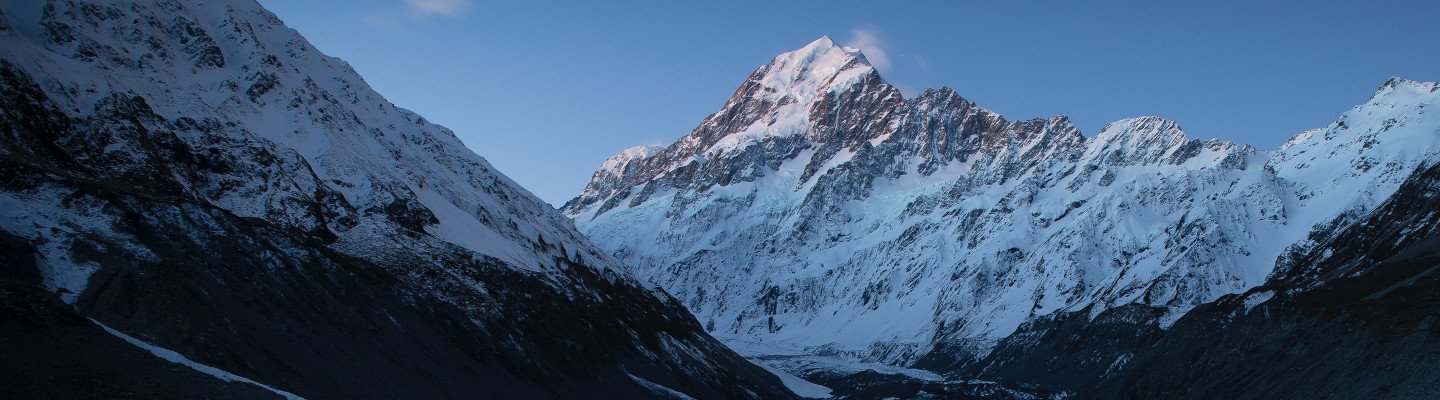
(547, 90)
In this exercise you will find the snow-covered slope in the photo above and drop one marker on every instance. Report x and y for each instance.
(820, 211)
(197, 175)
(1360, 305)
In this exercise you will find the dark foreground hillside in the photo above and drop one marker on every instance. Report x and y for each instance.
(196, 176)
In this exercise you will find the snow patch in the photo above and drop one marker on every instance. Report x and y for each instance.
(660, 389)
(172, 356)
(799, 385)
(1257, 298)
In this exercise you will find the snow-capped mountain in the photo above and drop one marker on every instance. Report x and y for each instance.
(820, 212)
(196, 177)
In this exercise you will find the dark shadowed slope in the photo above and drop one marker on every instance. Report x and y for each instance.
(197, 176)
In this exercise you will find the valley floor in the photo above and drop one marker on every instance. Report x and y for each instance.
(818, 375)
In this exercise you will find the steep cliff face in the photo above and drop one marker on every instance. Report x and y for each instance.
(809, 217)
(196, 176)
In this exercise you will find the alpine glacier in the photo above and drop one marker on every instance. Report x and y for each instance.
(820, 212)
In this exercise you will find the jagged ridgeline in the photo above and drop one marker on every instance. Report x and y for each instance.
(822, 214)
(195, 177)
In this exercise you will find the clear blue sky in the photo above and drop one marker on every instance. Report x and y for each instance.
(548, 90)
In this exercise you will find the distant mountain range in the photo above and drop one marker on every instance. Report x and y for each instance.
(821, 215)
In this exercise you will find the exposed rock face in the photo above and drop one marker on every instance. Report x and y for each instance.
(820, 212)
(197, 176)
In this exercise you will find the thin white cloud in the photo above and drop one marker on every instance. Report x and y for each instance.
(451, 8)
(868, 40)
(415, 11)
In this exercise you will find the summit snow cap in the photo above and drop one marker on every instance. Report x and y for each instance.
(1142, 140)
(1401, 91)
(819, 67)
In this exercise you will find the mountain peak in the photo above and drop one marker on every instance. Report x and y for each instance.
(823, 42)
(818, 67)
(824, 45)
(1142, 140)
(1397, 90)
(1146, 126)
(618, 162)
